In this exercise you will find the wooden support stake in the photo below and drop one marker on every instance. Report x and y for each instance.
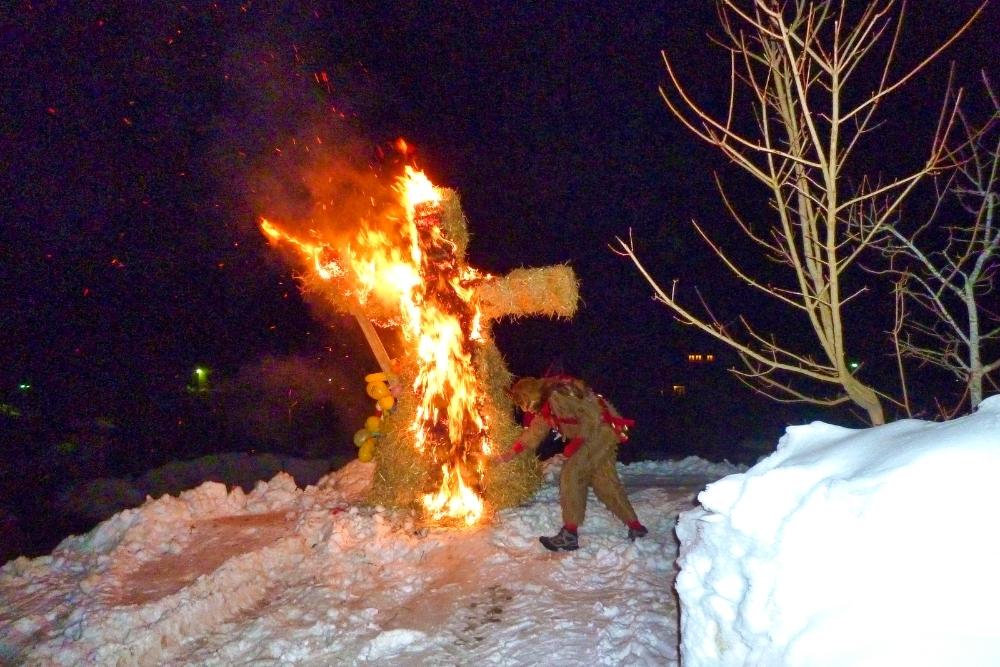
(374, 342)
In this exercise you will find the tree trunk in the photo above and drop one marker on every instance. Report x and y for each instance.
(975, 377)
(865, 398)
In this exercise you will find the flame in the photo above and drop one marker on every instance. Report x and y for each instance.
(454, 499)
(440, 322)
(443, 329)
(314, 253)
(381, 267)
(417, 189)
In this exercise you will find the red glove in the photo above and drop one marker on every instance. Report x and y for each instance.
(509, 456)
(506, 458)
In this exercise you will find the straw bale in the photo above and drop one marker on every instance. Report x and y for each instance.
(505, 484)
(454, 225)
(553, 291)
(338, 294)
(401, 476)
(513, 483)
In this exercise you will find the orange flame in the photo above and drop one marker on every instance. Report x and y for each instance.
(454, 500)
(440, 323)
(417, 189)
(446, 379)
(325, 269)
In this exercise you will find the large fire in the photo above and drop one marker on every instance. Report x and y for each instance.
(440, 323)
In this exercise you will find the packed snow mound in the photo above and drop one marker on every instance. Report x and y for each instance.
(850, 547)
(284, 575)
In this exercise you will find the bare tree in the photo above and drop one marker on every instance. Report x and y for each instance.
(801, 64)
(955, 319)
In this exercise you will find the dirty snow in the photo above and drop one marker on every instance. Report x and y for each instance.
(284, 575)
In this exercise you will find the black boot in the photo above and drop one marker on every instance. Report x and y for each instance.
(637, 531)
(564, 540)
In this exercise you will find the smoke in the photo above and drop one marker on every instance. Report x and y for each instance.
(326, 192)
(303, 140)
(299, 405)
(297, 151)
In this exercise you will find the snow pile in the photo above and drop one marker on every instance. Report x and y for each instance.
(850, 547)
(284, 575)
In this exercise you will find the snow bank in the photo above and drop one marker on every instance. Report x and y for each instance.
(850, 547)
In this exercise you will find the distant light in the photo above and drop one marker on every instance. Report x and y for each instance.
(9, 410)
(854, 365)
(24, 386)
(200, 379)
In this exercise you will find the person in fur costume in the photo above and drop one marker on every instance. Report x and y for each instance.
(592, 429)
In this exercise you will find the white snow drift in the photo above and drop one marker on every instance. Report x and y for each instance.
(850, 547)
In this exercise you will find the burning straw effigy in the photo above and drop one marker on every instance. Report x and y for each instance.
(405, 266)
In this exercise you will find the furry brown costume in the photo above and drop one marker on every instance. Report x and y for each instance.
(592, 429)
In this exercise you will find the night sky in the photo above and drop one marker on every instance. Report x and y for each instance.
(138, 139)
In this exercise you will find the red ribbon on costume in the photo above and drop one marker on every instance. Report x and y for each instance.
(573, 445)
(620, 425)
(555, 421)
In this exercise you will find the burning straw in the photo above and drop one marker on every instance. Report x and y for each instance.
(452, 414)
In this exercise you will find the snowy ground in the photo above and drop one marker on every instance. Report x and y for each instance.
(312, 577)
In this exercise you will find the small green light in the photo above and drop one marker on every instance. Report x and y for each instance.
(24, 386)
(199, 379)
(854, 365)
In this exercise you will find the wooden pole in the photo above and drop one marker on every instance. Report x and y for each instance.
(374, 342)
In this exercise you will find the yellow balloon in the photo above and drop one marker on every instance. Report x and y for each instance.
(373, 424)
(360, 436)
(377, 389)
(376, 377)
(386, 402)
(367, 451)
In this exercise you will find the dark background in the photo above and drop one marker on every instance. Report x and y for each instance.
(134, 140)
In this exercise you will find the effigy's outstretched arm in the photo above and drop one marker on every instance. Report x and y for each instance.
(550, 290)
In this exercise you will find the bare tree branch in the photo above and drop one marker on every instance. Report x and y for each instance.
(793, 62)
(947, 278)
